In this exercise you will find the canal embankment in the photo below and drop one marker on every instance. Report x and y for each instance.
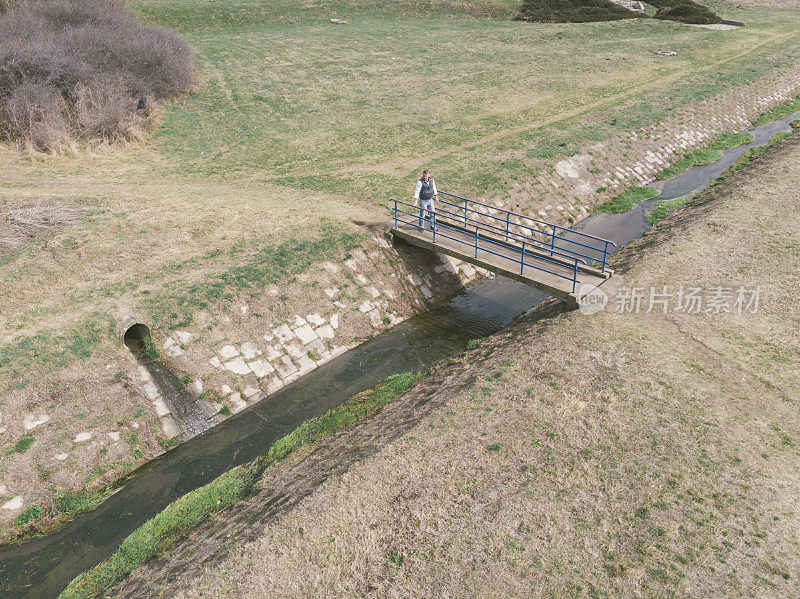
(645, 449)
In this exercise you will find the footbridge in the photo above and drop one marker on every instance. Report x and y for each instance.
(558, 260)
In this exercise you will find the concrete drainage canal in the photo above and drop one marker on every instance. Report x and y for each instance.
(191, 415)
(42, 567)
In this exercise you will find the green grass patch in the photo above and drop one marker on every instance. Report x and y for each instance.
(705, 156)
(779, 112)
(750, 154)
(726, 141)
(254, 267)
(698, 157)
(627, 200)
(149, 349)
(665, 207)
(38, 521)
(52, 349)
(22, 444)
(175, 522)
(82, 501)
(183, 515)
(338, 418)
(33, 512)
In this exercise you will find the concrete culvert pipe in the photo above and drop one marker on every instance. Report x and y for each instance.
(133, 331)
(136, 331)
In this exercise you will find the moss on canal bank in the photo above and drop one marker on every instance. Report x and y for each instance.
(628, 199)
(778, 112)
(705, 156)
(183, 515)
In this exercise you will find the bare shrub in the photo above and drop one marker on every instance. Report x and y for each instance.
(104, 112)
(37, 113)
(76, 69)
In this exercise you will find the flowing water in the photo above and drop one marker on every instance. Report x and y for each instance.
(42, 567)
(624, 228)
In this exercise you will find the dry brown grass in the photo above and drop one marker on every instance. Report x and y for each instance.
(616, 455)
(142, 226)
(136, 241)
(24, 222)
(167, 207)
(777, 4)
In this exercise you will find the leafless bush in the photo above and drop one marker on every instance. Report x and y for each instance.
(76, 69)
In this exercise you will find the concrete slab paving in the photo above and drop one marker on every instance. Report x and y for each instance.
(161, 407)
(325, 332)
(285, 367)
(306, 334)
(261, 368)
(250, 351)
(237, 366)
(228, 351)
(169, 427)
(284, 333)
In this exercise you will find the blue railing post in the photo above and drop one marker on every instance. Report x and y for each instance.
(522, 262)
(433, 225)
(605, 256)
(476, 242)
(553, 240)
(465, 213)
(508, 217)
(574, 276)
(395, 214)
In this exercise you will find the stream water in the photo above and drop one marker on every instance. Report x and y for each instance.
(41, 568)
(624, 228)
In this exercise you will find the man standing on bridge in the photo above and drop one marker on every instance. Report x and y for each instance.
(425, 194)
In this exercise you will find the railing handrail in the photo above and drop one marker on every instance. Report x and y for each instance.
(552, 235)
(573, 268)
(517, 237)
(530, 218)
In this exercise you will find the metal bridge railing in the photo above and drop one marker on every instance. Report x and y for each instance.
(546, 236)
(566, 267)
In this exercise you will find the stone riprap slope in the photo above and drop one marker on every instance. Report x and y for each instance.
(568, 190)
(229, 358)
(241, 369)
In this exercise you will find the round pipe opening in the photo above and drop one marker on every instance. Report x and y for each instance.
(136, 332)
(133, 333)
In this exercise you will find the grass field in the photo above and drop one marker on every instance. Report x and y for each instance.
(649, 454)
(372, 102)
(299, 119)
(302, 128)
